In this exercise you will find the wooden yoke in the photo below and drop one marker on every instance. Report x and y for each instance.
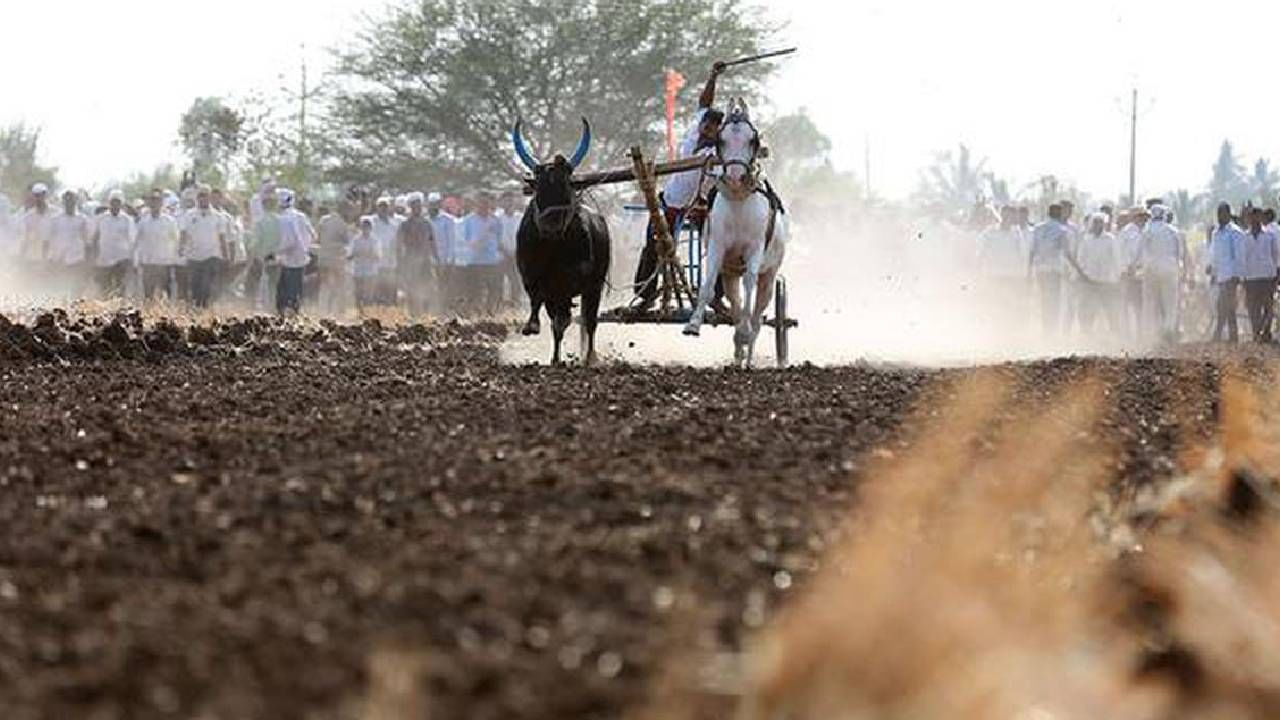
(671, 272)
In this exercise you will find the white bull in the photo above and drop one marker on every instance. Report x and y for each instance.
(746, 239)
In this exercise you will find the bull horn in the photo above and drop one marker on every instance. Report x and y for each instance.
(517, 139)
(584, 145)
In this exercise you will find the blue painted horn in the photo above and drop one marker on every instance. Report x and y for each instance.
(584, 145)
(526, 157)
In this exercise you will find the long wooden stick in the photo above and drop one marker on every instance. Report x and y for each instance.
(761, 56)
(607, 177)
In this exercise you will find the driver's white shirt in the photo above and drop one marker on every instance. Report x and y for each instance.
(682, 188)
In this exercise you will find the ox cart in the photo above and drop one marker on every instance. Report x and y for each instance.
(680, 257)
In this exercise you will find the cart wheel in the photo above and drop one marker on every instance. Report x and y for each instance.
(780, 324)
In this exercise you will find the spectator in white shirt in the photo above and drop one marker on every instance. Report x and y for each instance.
(114, 239)
(512, 215)
(1258, 259)
(445, 229)
(1047, 262)
(1224, 272)
(1098, 255)
(204, 246)
(8, 234)
(385, 229)
(232, 273)
(1002, 260)
(35, 232)
(70, 234)
(334, 234)
(1162, 260)
(297, 238)
(157, 247)
(363, 254)
(1132, 223)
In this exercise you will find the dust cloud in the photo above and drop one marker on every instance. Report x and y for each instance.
(870, 288)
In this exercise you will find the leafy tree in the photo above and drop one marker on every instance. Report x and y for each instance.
(1188, 209)
(139, 184)
(800, 165)
(430, 90)
(19, 169)
(211, 135)
(1228, 182)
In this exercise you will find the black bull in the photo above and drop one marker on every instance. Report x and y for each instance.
(562, 251)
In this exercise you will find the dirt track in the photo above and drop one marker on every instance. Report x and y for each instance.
(251, 521)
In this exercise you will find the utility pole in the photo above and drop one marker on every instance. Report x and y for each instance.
(1133, 148)
(866, 164)
(302, 118)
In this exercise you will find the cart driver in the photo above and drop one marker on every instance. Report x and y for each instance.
(684, 194)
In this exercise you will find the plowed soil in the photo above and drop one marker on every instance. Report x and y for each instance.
(254, 520)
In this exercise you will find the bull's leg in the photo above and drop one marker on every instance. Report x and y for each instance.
(533, 326)
(590, 316)
(561, 317)
(715, 261)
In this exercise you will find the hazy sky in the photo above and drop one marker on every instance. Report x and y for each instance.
(1034, 87)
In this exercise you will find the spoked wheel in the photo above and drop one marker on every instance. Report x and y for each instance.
(781, 322)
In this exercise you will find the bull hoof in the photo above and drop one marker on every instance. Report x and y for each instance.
(533, 327)
(692, 330)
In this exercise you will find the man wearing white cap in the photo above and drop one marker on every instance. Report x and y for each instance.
(297, 239)
(419, 255)
(35, 229)
(1162, 260)
(385, 227)
(157, 246)
(260, 280)
(69, 236)
(114, 239)
(204, 245)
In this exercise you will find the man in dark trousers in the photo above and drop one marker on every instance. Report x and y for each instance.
(1224, 273)
(680, 196)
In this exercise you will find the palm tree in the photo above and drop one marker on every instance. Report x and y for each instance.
(955, 181)
(1263, 181)
(1188, 209)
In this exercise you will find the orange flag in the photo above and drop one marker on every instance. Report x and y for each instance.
(674, 82)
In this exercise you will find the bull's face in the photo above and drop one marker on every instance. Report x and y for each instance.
(552, 182)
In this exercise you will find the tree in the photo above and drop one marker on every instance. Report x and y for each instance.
(954, 182)
(1228, 182)
(139, 184)
(429, 92)
(211, 135)
(19, 169)
(800, 165)
(1188, 209)
(1262, 184)
(797, 149)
